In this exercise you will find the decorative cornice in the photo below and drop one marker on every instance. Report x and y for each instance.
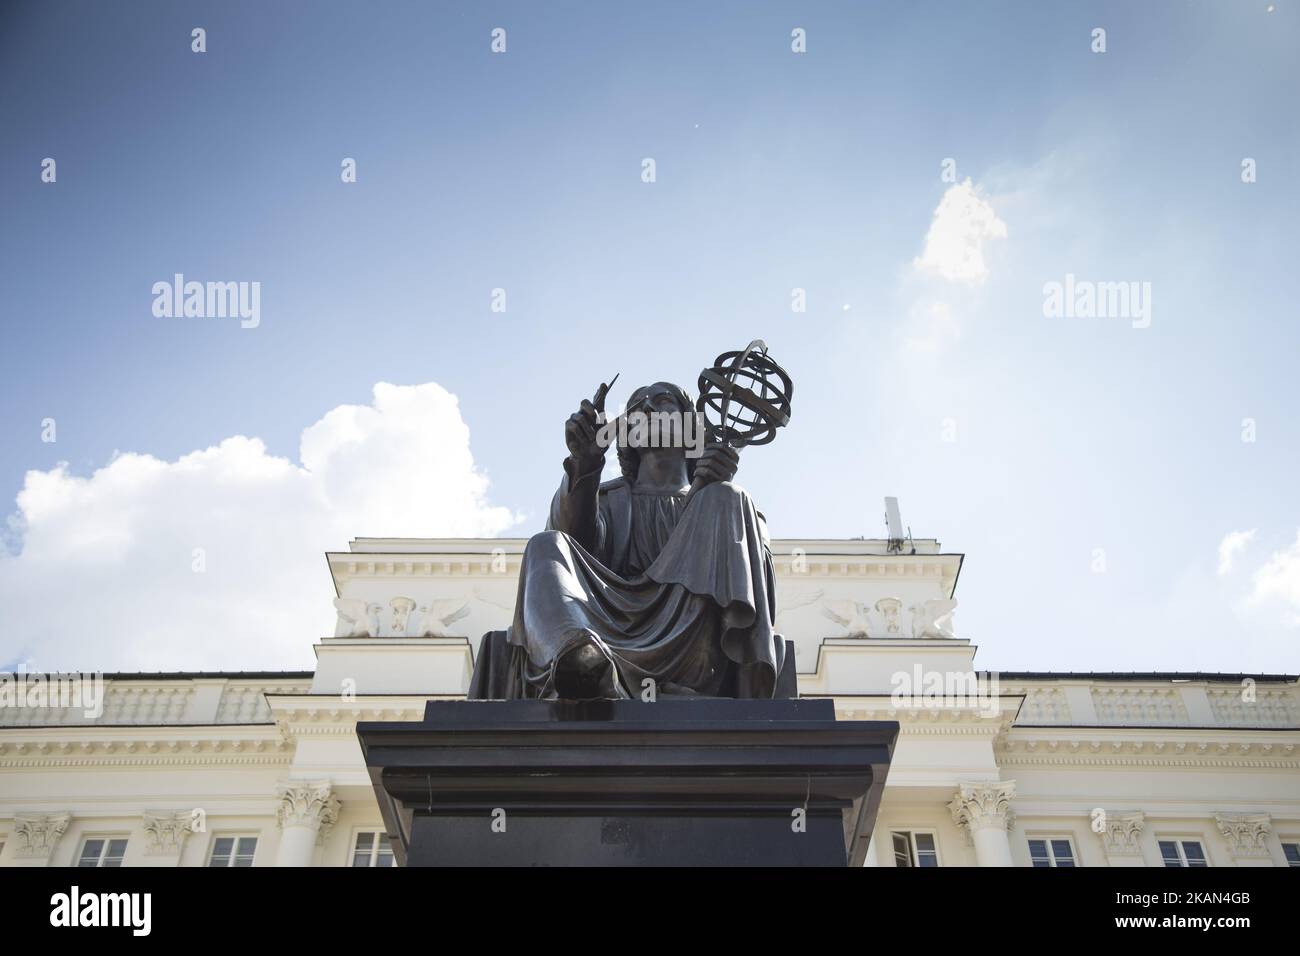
(49, 763)
(1246, 833)
(349, 713)
(167, 830)
(932, 721)
(815, 559)
(1177, 749)
(872, 567)
(1121, 833)
(311, 805)
(348, 567)
(1151, 764)
(39, 833)
(332, 717)
(979, 805)
(88, 747)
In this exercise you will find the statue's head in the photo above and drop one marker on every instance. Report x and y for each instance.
(659, 397)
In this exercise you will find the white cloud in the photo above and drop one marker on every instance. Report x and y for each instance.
(103, 578)
(954, 247)
(1279, 579)
(1233, 543)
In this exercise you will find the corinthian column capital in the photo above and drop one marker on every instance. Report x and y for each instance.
(37, 834)
(310, 805)
(1246, 833)
(979, 805)
(1120, 833)
(166, 831)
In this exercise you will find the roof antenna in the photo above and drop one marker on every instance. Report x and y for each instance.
(895, 525)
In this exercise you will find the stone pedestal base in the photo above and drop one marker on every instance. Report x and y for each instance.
(679, 782)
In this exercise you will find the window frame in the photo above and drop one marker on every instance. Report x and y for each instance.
(1286, 841)
(913, 850)
(236, 836)
(379, 836)
(1180, 843)
(1047, 839)
(107, 840)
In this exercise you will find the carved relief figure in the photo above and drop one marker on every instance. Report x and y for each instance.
(402, 608)
(438, 615)
(888, 608)
(357, 618)
(853, 616)
(933, 618)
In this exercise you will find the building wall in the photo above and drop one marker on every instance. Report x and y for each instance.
(1212, 758)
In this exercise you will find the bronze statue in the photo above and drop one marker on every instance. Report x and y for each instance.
(660, 581)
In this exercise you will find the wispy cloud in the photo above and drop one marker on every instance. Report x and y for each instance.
(1233, 543)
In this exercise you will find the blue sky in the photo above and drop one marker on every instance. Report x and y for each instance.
(774, 170)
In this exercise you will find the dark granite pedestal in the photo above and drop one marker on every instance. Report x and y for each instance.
(679, 782)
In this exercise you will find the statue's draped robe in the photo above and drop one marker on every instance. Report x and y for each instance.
(682, 593)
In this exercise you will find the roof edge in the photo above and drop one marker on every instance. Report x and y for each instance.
(1214, 676)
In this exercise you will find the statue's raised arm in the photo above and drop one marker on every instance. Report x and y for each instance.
(574, 509)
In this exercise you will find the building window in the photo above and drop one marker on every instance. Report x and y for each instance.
(233, 851)
(1051, 851)
(914, 848)
(102, 851)
(372, 849)
(1179, 853)
(1289, 850)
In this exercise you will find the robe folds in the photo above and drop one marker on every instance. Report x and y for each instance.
(680, 592)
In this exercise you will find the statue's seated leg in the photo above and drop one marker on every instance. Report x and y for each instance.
(584, 670)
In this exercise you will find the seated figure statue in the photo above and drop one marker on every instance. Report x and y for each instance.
(637, 583)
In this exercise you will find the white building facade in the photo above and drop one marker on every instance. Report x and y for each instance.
(1023, 769)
